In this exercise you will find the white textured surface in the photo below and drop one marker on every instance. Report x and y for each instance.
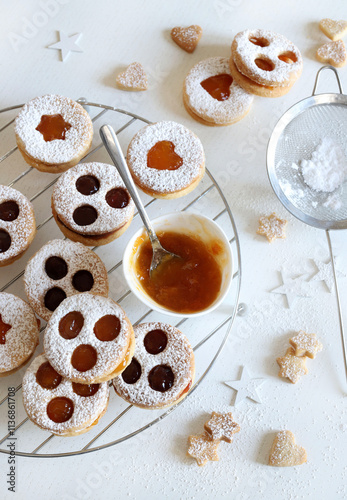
(154, 463)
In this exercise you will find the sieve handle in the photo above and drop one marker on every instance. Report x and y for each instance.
(318, 75)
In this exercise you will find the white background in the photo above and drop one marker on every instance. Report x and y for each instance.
(155, 463)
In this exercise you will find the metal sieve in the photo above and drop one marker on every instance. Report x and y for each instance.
(294, 138)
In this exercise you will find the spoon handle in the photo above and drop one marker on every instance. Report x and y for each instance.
(113, 148)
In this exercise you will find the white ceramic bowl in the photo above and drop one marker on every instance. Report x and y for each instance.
(190, 224)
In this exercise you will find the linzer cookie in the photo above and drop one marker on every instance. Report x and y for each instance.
(162, 369)
(166, 160)
(58, 405)
(17, 225)
(264, 63)
(59, 269)
(19, 333)
(211, 96)
(53, 133)
(91, 204)
(89, 339)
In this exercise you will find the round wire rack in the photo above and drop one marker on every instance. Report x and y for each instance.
(207, 334)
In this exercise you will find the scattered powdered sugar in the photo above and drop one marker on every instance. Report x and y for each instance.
(327, 168)
(21, 230)
(23, 336)
(178, 355)
(187, 145)
(35, 398)
(203, 104)
(245, 53)
(56, 151)
(109, 353)
(66, 199)
(77, 257)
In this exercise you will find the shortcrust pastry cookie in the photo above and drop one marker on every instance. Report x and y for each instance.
(187, 38)
(89, 339)
(17, 225)
(203, 448)
(59, 269)
(133, 78)
(166, 160)
(162, 369)
(291, 366)
(211, 95)
(333, 53)
(53, 133)
(306, 344)
(19, 333)
(285, 452)
(222, 427)
(335, 30)
(58, 405)
(91, 204)
(272, 227)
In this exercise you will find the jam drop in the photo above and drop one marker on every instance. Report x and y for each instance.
(47, 377)
(53, 127)
(288, 57)
(83, 281)
(218, 86)
(155, 341)
(5, 241)
(163, 157)
(107, 328)
(132, 372)
(84, 389)
(56, 268)
(60, 410)
(117, 198)
(264, 64)
(4, 328)
(161, 378)
(54, 297)
(84, 358)
(87, 185)
(85, 215)
(71, 324)
(9, 211)
(260, 42)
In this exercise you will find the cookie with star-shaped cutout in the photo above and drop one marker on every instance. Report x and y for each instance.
(306, 344)
(291, 366)
(222, 426)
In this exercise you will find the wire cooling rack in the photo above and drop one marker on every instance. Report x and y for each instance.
(207, 335)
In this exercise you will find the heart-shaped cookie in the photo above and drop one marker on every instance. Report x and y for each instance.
(285, 452)
(133, 78)
(187, 38)
(335, 30)
(333, 53)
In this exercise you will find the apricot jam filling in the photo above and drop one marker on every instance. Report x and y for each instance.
(47, 377)
(107, 328)
(162, 156)
(71, 324)
(218, 86)
(85, 390)
(84, 358)
(4, 328)
(60, 409)
(186, 285)
(53, 127)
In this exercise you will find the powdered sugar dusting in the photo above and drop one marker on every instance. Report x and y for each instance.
(133, 78)
(66, 199)
(333, 52)
(178, 355)
(77, 257)
(187, 145)
(23, 336)
(245, 53)
(285, 452)
(222, 426)
(36, 398)
(203, 104)
(187, 38)
(56, 151)
(109, 354)
(21, 229)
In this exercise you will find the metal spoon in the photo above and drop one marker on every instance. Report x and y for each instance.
(109, 138)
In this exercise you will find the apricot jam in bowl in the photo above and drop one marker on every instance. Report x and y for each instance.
(193, 284)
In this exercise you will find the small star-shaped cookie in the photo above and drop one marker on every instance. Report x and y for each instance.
(272, 227)
(333, 53)
(203, 448)
(221, 426)
(292, 367)
(187, 38)
(306, 344)
(335, 30)
(285, 452)
(133, 78)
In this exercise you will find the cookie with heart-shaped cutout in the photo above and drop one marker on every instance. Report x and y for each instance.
(333, 53)
(285, 452)
(133, 78)
(335, 30)
(187, 38)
